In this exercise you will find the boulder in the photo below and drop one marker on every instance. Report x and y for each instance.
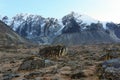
(9, 76)
(49, 63)
(109, 69)
(32, 63)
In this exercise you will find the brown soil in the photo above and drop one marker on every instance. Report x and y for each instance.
(79, 64)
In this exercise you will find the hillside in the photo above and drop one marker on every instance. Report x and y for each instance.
(8, 36)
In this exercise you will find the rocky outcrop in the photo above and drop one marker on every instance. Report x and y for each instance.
(10, 76)
(113, 30)
(110, 69)
(70, 24)
(32, 63)
(53, 51)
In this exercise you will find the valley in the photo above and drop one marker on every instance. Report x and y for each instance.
(76, 47)
(80, 63)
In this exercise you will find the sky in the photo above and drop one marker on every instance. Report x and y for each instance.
(103, 10)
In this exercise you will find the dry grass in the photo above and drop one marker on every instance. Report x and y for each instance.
(79, 58)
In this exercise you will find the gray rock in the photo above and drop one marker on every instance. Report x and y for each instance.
(32, 63)
(49, 63)
(110, 69)
(9, 76)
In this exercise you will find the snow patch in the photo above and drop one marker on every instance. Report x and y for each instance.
(16, 24)
(84, 18)
(104, 24)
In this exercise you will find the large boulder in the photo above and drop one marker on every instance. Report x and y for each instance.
(109, 69)
(32, 63)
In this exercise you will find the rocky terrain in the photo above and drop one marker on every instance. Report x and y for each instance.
(81, 63)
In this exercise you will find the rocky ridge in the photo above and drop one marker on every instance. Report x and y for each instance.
(49, 30)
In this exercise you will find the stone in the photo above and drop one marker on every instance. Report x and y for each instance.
(9, 76)
(32, 63)
(49, 63)
(109, 69)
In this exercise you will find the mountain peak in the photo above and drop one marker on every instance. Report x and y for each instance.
(25, 16)
(82, 17)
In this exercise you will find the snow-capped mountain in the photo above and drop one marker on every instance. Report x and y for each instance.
(34, 27)
(46, 30)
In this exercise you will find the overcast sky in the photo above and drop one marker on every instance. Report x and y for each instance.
(105, 10)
